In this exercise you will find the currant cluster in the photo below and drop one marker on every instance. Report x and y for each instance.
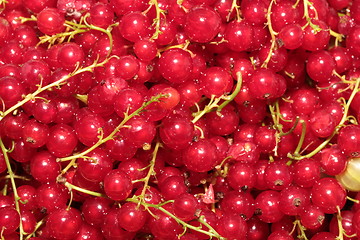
(187, 119)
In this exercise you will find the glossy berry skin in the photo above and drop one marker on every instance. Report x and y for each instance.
(28, 220)
(12, 125)
(70, 55)
(9, 220)
(101, 15)
(239, 203)
(26, 36)
(135, 26)
(316, 40)
(117, 185)
(306, 172)
(263, 84)
(349, 140)
(35, 134)
(51, 196)
(293, 199)
(131, 166)
(44, 167)
(62, 140)
(5, 31)
(280, 235)
(64, 224)
(278, 175)
(108, 229)
(241, 176)
(96, 166)
(164, 221)
(175, 65)
(305, 100)
(254, 11)
(215, 81)
(185, 206)
(50, 21)
(283, 13)
(324, 236)
(172, 187)
(202, 24)
(27, 197)
(333, 160)
(320, 66)
(145, 50)
(22, 152)
(131, 217)
(239, 35)
(353, 40)
(88, 232)
(200, 156)
(312, 217)
(268, 206)
(257, 229)
(265, 139)
(245, 152)
(227, 116)
(140, 131)
(232, 226)
(291, 36)
(94, 210)
(128, 99)
(328, 194)
(176, 132)
(127, 67)
(322, 123)
(346, 222)
(11, 90)
(88, 128)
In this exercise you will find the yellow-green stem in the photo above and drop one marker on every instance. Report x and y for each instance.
(157, 20)
(112, 134)
(337, 128)
(79, 189)
(37, 226)
(302, 137)
(151, 170)
(233, 95)
(212, 233)
(352, 199)
(272, 34)
(31, 96)
(13, 184)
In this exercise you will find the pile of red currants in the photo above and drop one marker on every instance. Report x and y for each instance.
(179, 119)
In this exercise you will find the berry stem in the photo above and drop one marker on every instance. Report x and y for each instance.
(75, 28)
(112, 134)
(272, 34)
(337, 128)
(301, 229)
(57, 83)
(92, 193)
(211, 232)
(37, 226)
(340, 226)
(233, 95)
(236, 7)
(212, 104)
(3, 4)
(214, 101)
(302, 137)
(151, 171)
(353, 199)
(13, 184)
(157, 20)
